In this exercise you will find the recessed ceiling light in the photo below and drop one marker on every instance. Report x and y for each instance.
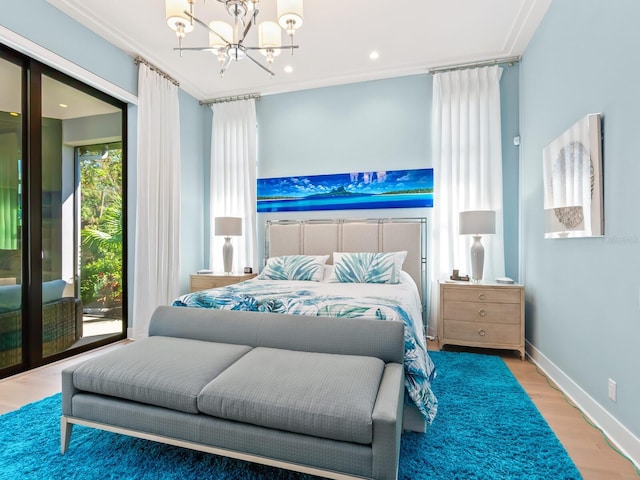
(63, 105)
(14, 114)
(374, 55)
(288, 69)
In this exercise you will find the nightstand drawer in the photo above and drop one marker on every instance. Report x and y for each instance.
(481, 332)
(493, 295)
(482, 312)
(207, 281)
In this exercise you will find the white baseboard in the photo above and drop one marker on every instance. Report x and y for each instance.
(619, 435)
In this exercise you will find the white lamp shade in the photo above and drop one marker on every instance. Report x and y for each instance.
(175, 15)
(477, 222)
(228, 226)
(290, 10)
(224, 37)
(269, 36)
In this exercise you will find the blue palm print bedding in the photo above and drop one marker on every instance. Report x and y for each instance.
(325, 299)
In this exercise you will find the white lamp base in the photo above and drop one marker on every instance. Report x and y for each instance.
(227, 255)
(477, 259)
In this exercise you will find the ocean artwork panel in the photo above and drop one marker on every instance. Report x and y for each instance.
(347, 191)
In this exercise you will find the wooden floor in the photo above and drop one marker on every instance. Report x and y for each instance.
(585, 444)
(586, 447)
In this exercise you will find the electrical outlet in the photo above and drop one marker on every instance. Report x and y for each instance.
(613, 390)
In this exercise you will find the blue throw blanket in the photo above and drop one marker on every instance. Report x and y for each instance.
(291, 298)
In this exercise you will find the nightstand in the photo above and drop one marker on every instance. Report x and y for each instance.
(487, 315)
(204, 281)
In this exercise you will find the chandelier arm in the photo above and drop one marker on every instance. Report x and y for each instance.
(195, 49)
(205, 49)
(200, 22)
(284, 47)
(249, 25)
(260, 65)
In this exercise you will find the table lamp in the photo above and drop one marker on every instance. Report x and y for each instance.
(228, 227)
(477, 223)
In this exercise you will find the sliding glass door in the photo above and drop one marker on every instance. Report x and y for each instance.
(82, 212)
(11, 283)
(62, 218)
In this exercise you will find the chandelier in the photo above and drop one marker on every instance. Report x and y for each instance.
(226, 40)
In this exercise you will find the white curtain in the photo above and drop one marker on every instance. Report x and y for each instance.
(467, 155)
(233, 180)
(157, 245)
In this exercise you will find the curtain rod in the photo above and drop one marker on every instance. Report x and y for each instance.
(153, 68)
(235, 98)
(509, 61)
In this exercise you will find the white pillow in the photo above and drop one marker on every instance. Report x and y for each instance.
(294, 267)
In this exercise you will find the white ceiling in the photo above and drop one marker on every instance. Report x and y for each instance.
(335, 40)
(59, 100)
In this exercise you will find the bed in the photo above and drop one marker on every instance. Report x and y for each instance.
(326, 294)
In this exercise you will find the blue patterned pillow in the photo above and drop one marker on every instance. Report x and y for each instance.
(367, 267)
(294, 267)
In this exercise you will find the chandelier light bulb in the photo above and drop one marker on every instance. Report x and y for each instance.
(269, 39)
(269, 56)
(177, 19)
(222, 56)
(290, 15)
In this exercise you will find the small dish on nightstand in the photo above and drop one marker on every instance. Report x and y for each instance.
(504, 280)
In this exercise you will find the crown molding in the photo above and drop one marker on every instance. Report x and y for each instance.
(33, 50)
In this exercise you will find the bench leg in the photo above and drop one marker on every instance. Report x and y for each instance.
(65, 434)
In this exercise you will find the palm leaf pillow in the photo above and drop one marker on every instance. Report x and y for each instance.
(367, 267)
(294, 267)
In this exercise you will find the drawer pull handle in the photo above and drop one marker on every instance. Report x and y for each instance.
(481, 296)
(481, 332)
(482, 313)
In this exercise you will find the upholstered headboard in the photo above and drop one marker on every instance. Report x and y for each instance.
(323, 237)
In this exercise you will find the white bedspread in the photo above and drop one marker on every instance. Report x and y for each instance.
(393, 302)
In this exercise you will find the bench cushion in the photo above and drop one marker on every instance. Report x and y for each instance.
(167, 372)
(318, 394)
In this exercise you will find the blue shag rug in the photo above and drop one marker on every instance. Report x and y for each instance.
(486, 428)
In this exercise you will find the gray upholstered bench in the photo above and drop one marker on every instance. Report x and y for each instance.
(312, 394)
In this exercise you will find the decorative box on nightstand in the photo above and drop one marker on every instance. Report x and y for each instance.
(487, 315)
(204, 281)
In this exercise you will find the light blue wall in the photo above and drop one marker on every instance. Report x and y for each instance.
(45, 25)
(376, 125)
(583, 310)
(368, 126)
(193, 147)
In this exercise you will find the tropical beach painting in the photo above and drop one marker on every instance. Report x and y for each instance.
(347, 191)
